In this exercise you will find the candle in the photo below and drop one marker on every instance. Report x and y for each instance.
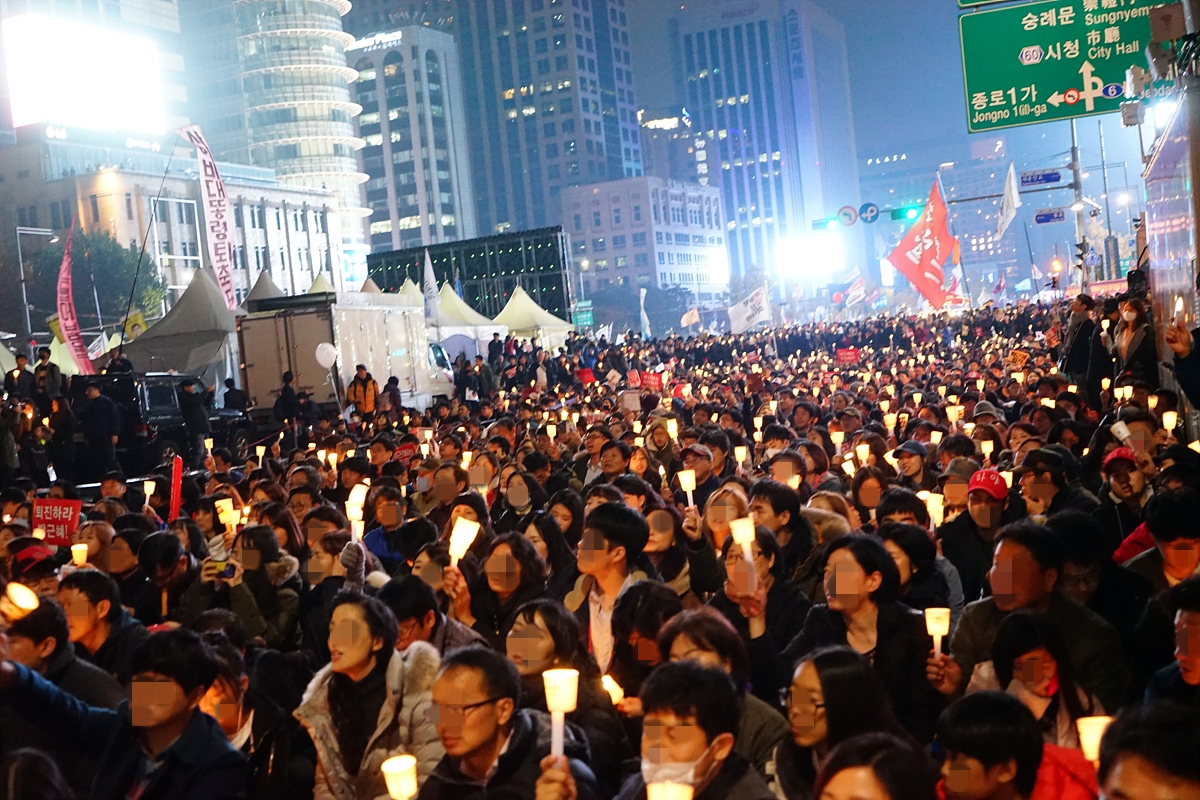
(862, 451)
(937, 625)
(774, 404)
(1104, 323)
(673, 428)
(979, 384)
(793, 482)
(667, 790)
(742, 531)
(425, 449)
(461, 537)
(1072, 388)
(225, 511)
(639, 441)
(837, 437)
(1019, 377)
(935, 505)
(400, 774)
(429, 434)
(1008, 478)
(18, 602)
(1179, 310)
(741, 453)
(312, 446)
(1047, 402)
(354, 513)
(1091, 731)
(917, 397)
(261, 450)
(615, 692)
(889, 421)
(148, 489)
(1194, 446)
(333, 459)
(935, 437)
(890, 458)
(552, 430)
(562, 690)
(1105, 383)
(357, 529)
(1170, 419)
(987, 446)
(208, 445)
(758, 421)
(848, 467)
(687, 482)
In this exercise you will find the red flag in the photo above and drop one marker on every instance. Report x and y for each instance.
(176, 487)
(924, 250)
(67, 321)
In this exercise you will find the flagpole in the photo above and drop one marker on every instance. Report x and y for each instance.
(949, 227)
(1029, 247)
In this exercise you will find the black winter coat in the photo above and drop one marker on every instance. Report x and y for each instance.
(115, 656)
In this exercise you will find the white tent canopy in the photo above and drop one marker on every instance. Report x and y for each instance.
(462, 328)
(370, 287)
(190, 336)
(526, 319)
(264, 288)
(411, 293)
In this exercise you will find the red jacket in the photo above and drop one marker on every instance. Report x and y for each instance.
(1064, 774)
(1135, 543)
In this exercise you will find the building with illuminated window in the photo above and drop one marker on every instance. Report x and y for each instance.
(413, 121)
(767, 85)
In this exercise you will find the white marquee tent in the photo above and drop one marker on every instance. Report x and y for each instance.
(526, 319)
(462, 329)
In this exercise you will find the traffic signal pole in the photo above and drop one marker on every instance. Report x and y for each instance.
(1077, 181)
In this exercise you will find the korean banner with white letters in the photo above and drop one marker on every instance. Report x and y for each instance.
(754, 310)
(67, 321)
(58, 518)
(218, 218)
(925, 249)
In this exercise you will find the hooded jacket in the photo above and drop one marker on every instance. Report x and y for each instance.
(362, 393)
(517, 768)
(401, 728)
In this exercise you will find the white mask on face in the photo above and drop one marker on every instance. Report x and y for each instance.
(673, 771)
(1129, 316)
(771, 452)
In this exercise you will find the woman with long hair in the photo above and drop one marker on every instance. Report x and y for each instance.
(62, 439)
(369, 703)
(865, 492)
(188, 532)
(279, 518)
(727, 503)
(543, 533)
(1030, 661)
(216, 535)
(522, 498)
(1132, 346)
(258, 581)
(98, 537)
(833, 696)
(567, 507)
(325, 578)
(862, 610)
(922, 585)
(513, 574)
(690, 567)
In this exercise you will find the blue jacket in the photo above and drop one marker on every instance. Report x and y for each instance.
(200, 765)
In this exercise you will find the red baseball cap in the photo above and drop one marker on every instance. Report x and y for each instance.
(1121, 453)
(990, 481)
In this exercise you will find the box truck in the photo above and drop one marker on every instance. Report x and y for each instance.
(281, 334)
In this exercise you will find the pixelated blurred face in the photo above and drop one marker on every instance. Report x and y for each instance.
(1187, 645)
(503, 571)
(806, 707)
(720, 512)
(518, 492)
(645, 649)
(903, 563)
(739, 571)
(481, 473)
(314, 529)
(1017, 580)
(464, 511)
(154, 699)
(954, 493)
(387, 514)
(669, 739)
(1037, 486)
(563, 516)
(594, 554)
(1180, 557)
(985, 510)
(82, 616)
(662, 531)
(428, 570)
(847, 586)
(534, 536)
(967, 778)
(530, 645)
(1038, 670)
(782, 470)
(465, 717)
(444, 486)
(352, 648)
(1141, 437)
(249, 556)
(869, 493)
(684, 649)
(86, 534)
(120, 557)
(223, 703)
(855, 783)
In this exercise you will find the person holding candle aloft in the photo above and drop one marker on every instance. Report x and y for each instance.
(698, 458)
(493, 748)
(513, 574)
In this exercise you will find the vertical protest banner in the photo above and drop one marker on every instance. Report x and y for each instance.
(176, 486)
(58, 518)
(217, 216)
(68, 323)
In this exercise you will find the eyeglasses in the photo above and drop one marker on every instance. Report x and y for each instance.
(808, 707)
(450, 714)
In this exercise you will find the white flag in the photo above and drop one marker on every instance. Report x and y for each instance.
(1010, 202)
(645, 319)
(431, 292)
(692, 317)
(754, 310)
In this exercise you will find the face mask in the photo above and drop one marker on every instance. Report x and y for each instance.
(422, 484)
(771, 452)
(1129, 316)
(673, 771)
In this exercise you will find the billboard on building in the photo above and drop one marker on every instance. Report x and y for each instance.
(66, 73)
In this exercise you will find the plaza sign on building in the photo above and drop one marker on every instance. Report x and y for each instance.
(1052, 60)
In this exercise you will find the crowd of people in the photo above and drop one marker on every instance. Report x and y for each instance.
(746, 546)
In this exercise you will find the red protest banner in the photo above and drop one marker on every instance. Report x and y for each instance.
(652, 381)
(635, 380)
(176, 485)
(58, 518)
(585, 376)
(847, 355)
(404, 453)
(67, 321)
(924, 251)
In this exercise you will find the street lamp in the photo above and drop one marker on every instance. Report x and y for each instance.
(21, 229)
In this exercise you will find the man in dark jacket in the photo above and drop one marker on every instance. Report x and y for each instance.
(494, 750)
(159, 745)
(194, 407)
(1122, 497)
(968, 539)
(702, 738)
(1100, 361)
(103, 631)
(1044, 487)
(235, 398)
(1077, 342)
(20, 383)
(415, 606)
(101, 425)
(40, 642)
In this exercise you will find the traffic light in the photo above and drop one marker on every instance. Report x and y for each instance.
(824, 224)
(906, 212)
(1081, 251)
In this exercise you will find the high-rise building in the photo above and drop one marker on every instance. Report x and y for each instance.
(550, 94)
(669, 144)
(414, 124)
(369, 17)
(648, 231)
(767, 83)
(295, 106)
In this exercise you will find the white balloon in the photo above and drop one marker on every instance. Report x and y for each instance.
(326, 354)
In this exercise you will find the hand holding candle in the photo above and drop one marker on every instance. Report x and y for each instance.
(937, 624)
(687, 482)
(562, 691)
(461, 537)
(742, 531)
(615, 692)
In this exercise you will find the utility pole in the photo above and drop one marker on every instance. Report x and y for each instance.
(1078, 206)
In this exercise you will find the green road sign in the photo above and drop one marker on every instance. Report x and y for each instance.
(973, 3)
(585, 318)
(1051, 60)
